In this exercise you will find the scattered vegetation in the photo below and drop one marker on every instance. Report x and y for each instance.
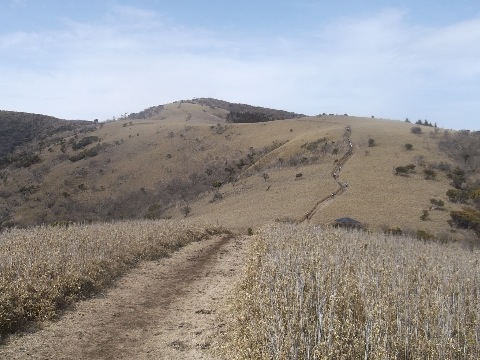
(43, 269)
(311, 293)
(371, 142)
(409, 146)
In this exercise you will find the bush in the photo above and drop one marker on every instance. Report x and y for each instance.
(457, 195)
(467, 218)
(409, 146)
(430, 174)
(401, 170)
(425, 215)
(416, 130)
(84, 142)
(404, 170)
(424, 235)
(186, 210)
(437, 202)
(371, 142)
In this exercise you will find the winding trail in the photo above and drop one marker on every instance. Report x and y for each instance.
(165, 309)
(342, 186)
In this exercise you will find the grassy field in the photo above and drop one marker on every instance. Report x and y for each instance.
(324, 293)
(44, 269)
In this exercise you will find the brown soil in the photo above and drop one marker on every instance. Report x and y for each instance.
(166, 309)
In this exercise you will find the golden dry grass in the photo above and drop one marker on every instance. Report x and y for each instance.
(139, 159)
(43, 269)
(323, 293)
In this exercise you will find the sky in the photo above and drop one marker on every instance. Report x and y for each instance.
(96, 59)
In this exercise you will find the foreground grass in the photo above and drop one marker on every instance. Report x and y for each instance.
(43, 269)
(311, 293)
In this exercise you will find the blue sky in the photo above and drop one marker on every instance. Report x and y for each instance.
(98, 59)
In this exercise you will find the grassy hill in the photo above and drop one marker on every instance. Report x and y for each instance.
(187, 159)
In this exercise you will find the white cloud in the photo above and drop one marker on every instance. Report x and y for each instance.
(380, 65)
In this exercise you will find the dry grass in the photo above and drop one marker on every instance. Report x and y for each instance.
(44, 269)
(313, 293)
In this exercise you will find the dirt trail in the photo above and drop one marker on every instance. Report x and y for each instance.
(336, 176)
(166, 309)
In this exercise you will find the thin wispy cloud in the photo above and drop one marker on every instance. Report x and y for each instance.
(133, 58)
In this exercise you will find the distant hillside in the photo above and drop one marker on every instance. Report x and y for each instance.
(243, 113)
(238, 113)
(185, 160)
(19, 128)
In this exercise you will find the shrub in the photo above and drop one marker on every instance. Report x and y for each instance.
(84, 142)
(424, 235)
(425, 215)
(217, 196)
(185, 210)
(404, 170)
(443, 166)
(393, 231)
(371, 142)
(416, 130)
(430, 174)
(467, 218)
(437, 202)
(409, 146)
(84, 154)
(457, 195)
(411, 167)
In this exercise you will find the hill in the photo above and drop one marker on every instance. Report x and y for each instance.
(190, 159)
(18, 128)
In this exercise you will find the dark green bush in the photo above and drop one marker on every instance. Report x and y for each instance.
(409, 146)
(416, 130)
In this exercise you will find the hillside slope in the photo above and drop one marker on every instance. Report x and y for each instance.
(186, 159)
